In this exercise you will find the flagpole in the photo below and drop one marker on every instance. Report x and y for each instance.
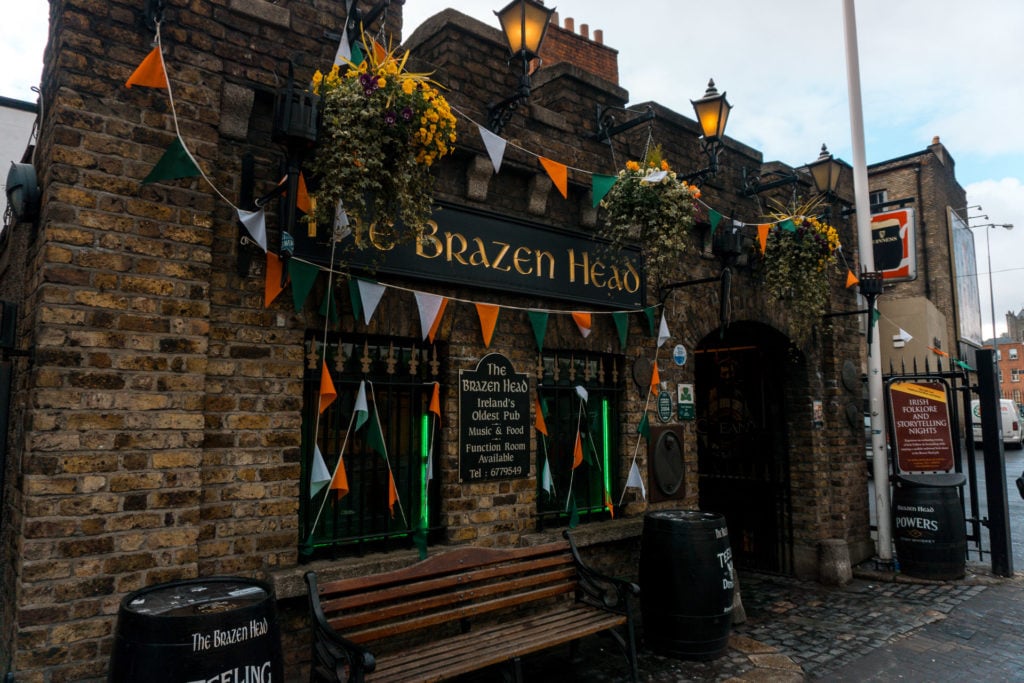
(865, 248)
(387, 460)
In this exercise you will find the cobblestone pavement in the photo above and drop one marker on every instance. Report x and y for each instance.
(879, 627)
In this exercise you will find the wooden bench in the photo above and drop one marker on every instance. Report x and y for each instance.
(463, 610)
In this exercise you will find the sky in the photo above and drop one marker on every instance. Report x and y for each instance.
(927, 68)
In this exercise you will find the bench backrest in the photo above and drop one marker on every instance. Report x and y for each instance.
(448, 587)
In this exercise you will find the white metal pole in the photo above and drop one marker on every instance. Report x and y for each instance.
(865, 248)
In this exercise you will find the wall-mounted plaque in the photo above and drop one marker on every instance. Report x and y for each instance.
(494, 421)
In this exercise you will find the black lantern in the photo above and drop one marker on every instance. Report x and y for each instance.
(712, 113)
(23, 192)
(524, 23)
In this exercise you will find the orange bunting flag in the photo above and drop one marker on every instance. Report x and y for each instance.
(435, 401)
(762, 236)
(655, 379)
(339, 482)
(437, 320)
(559, 174)
(582, 322)
(392, 493)
(150, 72)
(327, 392)
(577, 451)
(303, 202)
(851, 279)
(608, 503)
(488, 319)
(379, 53)
(539, 422)
(272, 287)
(938, 352)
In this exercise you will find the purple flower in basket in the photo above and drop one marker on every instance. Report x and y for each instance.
(407, 113)
(390, 117)
(369, 83)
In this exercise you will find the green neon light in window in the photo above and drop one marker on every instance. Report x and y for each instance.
(424, 464)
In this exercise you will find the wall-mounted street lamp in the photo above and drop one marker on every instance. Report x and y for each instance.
(992, 292)
(712, 114)
(524, 23)
(22, 192)
(825, 172)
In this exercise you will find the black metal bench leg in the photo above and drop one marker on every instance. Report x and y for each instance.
(517, 669)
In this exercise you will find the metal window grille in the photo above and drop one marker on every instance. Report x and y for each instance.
(588, 487)
(399, 378)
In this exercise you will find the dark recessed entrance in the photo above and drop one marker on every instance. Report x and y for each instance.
(742, 447)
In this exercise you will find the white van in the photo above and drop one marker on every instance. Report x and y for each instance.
(1009, 417)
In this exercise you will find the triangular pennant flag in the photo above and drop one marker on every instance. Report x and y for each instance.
(649, 314)
(600, 185)
(621, 320)
(175, 163)
(370, 294)
(788, 225)
(964, 365)
(303, 202)
(362, 413)
(392, 493)
(435, 401)
(303, 277)
(437, 321)
(430, 307)
(546, 482)
(272, 287)
(714, 218)
(379, 53)
(488, 314)
(339, 482)
(655, 379)
(255, 223)
(583, 322)
(574, 513)
(582, 393)
(357, 54)
(577, 451)
(319, 475)
(762, 236)
(495, 146)
(851, 279)
(938, 352)
(357, 302)
(559, 174)
(327, 308)
(150, 72)
(663, 333)
(539, 322)
(375, 437)
(539, 422)
(644, 428)
(344, 52)
(327, 391)
(635, 481)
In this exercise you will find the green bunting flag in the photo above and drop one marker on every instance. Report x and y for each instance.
(599, 186)
(714, 218)
(374, 435)
(357, 302)
(539, 321)
(649, 313)
(175, 163)
(574, 513)
(303, 276)
(788, 225)
(357, 54)
(621, 320)
(644, 428)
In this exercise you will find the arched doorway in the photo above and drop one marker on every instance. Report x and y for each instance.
(742, 444)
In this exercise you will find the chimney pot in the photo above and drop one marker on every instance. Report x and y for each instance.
(585, 30)
(599, 36)
(570, 24)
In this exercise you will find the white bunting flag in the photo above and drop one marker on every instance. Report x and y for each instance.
(635, 481)
(663, 333)
(430, 306)
(320, 476)
(495, 145)
(370, 294)
(362, 412)
(255, 223)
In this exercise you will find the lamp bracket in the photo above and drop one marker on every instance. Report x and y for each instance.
(153, 13)
(711, 150)
(606, 128)
(499, 114)
(752, 184)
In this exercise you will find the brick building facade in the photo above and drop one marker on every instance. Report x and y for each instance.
(159, 426)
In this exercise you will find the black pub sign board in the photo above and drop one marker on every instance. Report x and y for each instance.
(482, 249)
(494, 421)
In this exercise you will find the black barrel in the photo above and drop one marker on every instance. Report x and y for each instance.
(216, 629)
(686, 583)
(929, 529)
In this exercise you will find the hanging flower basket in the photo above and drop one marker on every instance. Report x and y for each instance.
(383, 128)
(799, 257)
(650, 206)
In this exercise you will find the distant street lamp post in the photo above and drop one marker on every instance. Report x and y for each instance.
(992, 292)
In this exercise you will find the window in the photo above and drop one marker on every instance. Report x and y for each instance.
(399, 378)
(878, 197)
(1015, 375)
(593, 483)
(1013, 353)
